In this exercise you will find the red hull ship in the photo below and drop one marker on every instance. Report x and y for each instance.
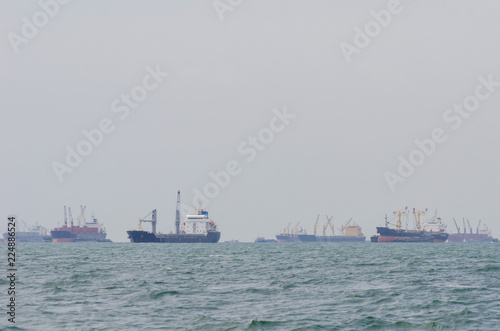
(483, 234)
(85, 231)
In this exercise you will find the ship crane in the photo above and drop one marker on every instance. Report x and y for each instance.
(387, 223)
(26, 227)
(81, 218)
(332, 227)
(456, 225)
(344, 227)
(418, 218)
(465, 228)
(470, 227)
(295, 229)
(152, 220)
(328, 224)
(70, 216)
(45, 231)
(65, 217)
(286, 231)
(316, 225)
(400, 215)
(477, 229)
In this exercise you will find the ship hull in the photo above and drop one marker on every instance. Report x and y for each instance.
(308, 238)
(313, 238)
(339, 239)
(149, 237)
(286, 238)
(27, 237)
(394, 235)
(469, 237)
(68, 236)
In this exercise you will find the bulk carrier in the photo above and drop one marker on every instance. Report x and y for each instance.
(349, 233)
(290, 235)
(198, 228)
(30, 234)
(83, 232)
(432, 231)
(483, 234)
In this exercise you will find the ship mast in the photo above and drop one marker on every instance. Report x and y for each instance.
(470, 227)
(178, 213)
(344, 227)
(456, 225)
(400, 214)
(418, 218)
(65, 217)
(316, 225)
(70, 216)
(327, 225)
(295, 229)
(153, 221)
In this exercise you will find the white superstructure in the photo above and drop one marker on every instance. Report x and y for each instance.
(198, 224)
(434, 225)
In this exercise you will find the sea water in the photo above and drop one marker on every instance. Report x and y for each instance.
(254, 286)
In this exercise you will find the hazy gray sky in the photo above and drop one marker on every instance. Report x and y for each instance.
(352, 119)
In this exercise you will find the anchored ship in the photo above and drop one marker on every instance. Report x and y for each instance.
(198, 228)
(483, 234)
(83, 232)
(431, 231)
(34, 233)
(349, 233)
(290, 235)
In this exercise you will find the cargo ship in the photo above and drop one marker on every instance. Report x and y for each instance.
(349, 233)
(432, 231)
(197, 228)
(482, 234)
(290, 235)
(83, 232)
(30, 234)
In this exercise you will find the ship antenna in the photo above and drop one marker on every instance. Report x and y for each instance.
(178, 213)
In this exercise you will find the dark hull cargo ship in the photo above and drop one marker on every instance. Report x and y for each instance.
(196, 228)
(429, 232)
(148, 237)
(394, 235)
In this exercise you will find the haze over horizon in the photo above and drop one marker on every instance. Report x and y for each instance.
(265, 109)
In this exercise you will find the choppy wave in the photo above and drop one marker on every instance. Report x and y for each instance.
(296, 286)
